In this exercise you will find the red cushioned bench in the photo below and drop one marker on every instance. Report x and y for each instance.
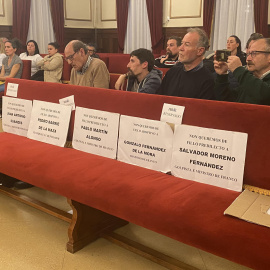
(106, 193)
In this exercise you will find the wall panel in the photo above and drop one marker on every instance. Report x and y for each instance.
(6, 31)
(83, 34)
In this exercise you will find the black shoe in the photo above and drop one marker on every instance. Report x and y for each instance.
(22, 185)
(7, 181)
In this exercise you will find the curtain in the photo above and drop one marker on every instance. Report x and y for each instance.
(208, 8)
(261, 16)
(40, 27)
(57, 10)
(21, 17)
(155, 15)
(232, 18)
(138, 30)
(122, 17)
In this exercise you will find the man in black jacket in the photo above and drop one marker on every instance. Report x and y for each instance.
(190, 78)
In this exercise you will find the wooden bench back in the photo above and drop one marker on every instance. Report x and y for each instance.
(251, 119)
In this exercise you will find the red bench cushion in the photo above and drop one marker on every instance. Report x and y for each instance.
(184, 210)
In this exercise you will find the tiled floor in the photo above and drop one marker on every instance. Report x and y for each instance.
(33, 240)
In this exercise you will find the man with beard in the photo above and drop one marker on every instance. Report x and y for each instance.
(172, 53)
(254, 82)
(190, 78)
(86, 71)
(141, 76)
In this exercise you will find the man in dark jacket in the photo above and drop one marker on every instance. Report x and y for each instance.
(254, 81)
(190, 78)
(141, 75)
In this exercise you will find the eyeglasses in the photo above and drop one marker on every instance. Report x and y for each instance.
(70, 58)
(254, 53)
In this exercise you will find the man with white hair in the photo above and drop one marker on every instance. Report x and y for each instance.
(190, 78)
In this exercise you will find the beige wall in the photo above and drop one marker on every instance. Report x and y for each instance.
(182, 13)
(176, 13)
(102, 13)
(7, 8)
(105, 13)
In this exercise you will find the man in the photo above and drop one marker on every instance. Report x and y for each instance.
(92, 50)
(254, 81)
(252, 38)
(141, 75)
(172, 53)
(86, 71)
(190, 78)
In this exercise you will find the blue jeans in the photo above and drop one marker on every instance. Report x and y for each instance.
(2, 87)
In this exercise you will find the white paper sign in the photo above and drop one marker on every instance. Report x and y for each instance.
(96, 132)
(16, 115)
(68, 101)
(172, 113)
(49, 122)
(12, 89)
(146, 143)
(211, 156)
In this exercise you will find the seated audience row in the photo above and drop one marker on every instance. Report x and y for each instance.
(187, 77)
(49, 68)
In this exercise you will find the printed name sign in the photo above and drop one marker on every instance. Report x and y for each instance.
(16, 115)
(172, 113)
(49, 122)
(211, 156)
(12, 89)
(96, 132)
(146, 143)
(68, 101)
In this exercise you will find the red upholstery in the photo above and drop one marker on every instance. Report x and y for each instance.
(252, 119)
(26, 72)
(105, 59)
(113, 78)
(164, 70)
(187, 211)
(118, 63)
(66, 72)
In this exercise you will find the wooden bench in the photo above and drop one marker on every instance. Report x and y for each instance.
(106, 194)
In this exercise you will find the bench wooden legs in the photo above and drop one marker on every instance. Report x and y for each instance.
(88, 224)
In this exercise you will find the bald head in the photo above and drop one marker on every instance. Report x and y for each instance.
(76, 54)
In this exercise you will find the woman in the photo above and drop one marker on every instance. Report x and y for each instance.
(52, 64)
(2, 50)
(234, 45)
(12, 64)
(32, 53)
